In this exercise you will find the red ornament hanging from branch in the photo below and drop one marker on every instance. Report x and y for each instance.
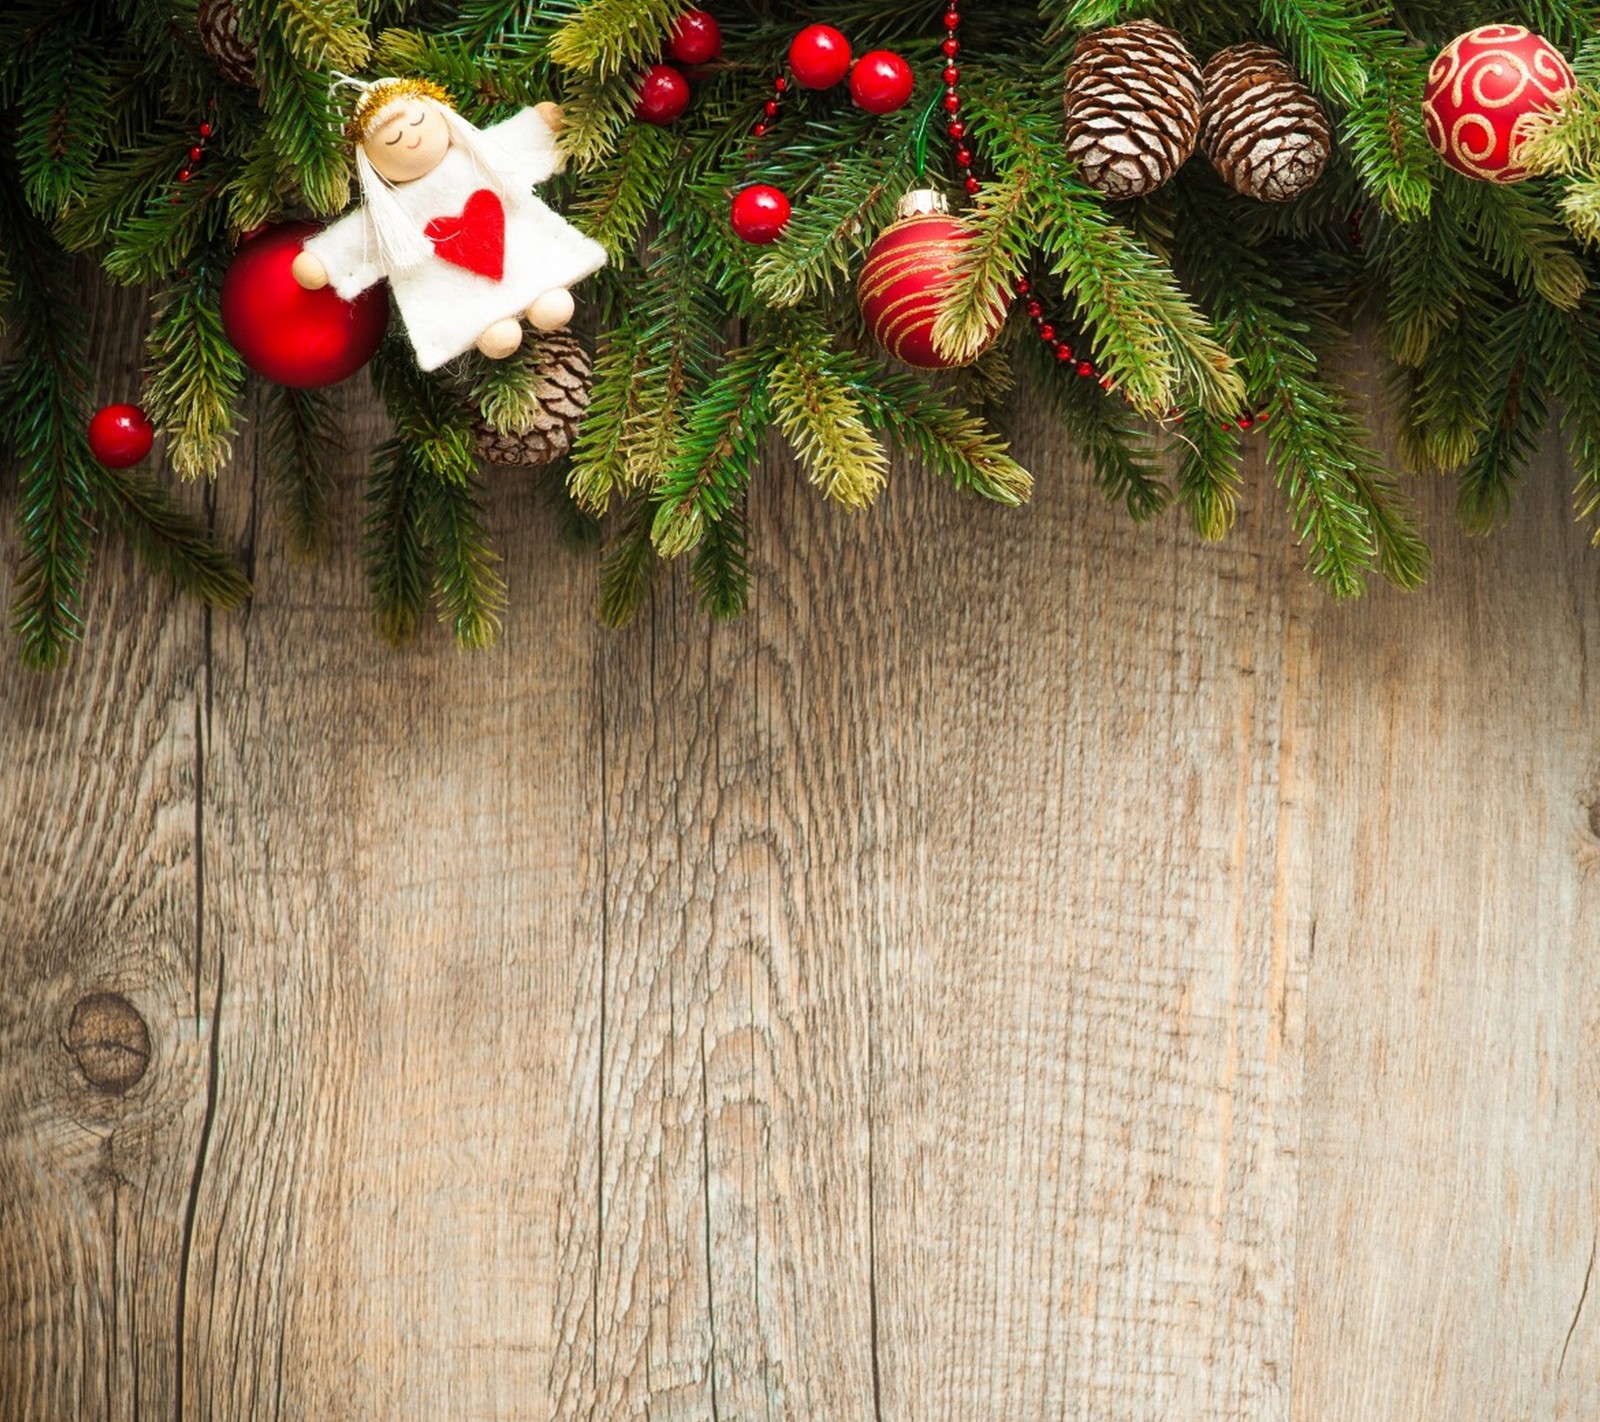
(907, 272)
(286, 333)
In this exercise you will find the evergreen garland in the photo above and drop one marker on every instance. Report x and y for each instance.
(1196, 304)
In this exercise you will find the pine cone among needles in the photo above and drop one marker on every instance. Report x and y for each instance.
(1262, 128)
(1133, 107)
(561, 393)
(217, 22)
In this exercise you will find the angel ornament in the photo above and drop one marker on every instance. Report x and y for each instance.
(449, 217)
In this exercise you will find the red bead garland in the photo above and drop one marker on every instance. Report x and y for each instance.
(962, 151)
(197, 150)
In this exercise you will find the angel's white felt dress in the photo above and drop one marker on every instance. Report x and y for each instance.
(489, 253)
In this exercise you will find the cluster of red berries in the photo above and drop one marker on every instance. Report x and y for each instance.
(819, 57)
(664, 90)
(880, 82)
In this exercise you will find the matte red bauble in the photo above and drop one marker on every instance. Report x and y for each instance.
(120, 435)
(1483, 92)
(819, 56)
(905, 275)
(881, 82)
(697, 39)
(760, 213)
(663, 95)
(286, 333)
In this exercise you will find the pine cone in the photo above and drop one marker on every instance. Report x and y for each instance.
(562, 392)
(235, 57)
(1262, 128)
(1133, 107)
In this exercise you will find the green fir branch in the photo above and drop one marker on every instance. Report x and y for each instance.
(1514, 367)
(815, 404)
(628, 569)
(1324, 41)
(301, 433)
(468, 591)
(720, 565)
(197, 374)
(710, 470)
(605, 38)
(168, 540)
(399, 568)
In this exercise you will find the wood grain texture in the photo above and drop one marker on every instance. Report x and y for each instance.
(1031, 966)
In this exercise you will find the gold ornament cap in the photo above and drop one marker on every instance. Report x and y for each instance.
(921, 202)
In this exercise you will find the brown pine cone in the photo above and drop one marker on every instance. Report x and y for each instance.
(562, 395)
(1262, 128)
(235, 56)
(1133, 107)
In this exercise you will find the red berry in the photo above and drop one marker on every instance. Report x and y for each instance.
(697, 39)
(972, 185)
(881, 82)
(819, 56)
(1047, 333)
(1085, 367)
(120, 435)
(951, 47)
(663, 95)
(760, 213)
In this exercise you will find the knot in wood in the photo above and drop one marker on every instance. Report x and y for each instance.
(1594, 818)
(109, 1041)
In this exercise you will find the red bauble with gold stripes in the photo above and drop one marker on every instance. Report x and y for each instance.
(906, 273)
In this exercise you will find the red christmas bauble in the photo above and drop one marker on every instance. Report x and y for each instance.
(120, 435)
(663, 95)
(697, 38)
(760, 213)
(286, 333)
(904, 278)
(819, 56)
(1482, 91)
(881, 82)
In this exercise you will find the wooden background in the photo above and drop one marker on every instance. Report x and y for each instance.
(1031, 967)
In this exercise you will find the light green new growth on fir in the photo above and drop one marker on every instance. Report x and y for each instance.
(1196, 312)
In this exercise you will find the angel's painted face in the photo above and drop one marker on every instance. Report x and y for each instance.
(407, 139)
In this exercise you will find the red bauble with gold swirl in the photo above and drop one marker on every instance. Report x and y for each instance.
(1484, 92)
(905, 277)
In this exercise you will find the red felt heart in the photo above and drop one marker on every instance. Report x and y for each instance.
(475, 238)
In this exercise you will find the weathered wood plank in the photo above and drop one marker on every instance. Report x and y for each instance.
(99, 894)
(1031, 966)
(1451, 1187)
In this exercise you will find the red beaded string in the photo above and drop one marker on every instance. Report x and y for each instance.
(197, 150)
(1043, 326)
(769, 110)
(956, 129)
